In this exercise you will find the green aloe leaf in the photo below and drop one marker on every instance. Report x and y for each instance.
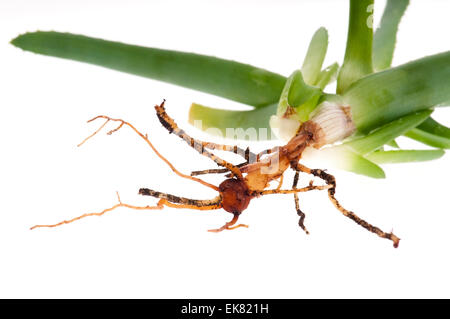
(386, 34)
(433, 127)
(393, 143)
(404, 156)
(315, 56)
(327, 76)
(355, 163)
(382, 97)
(232, 80)
(387, 133)
(242, 125)
(298, 95)
(302, 97)
(358, 52)
(429, 138)
(283, 102)
(343, 157)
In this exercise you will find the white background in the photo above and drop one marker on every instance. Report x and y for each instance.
(45, 178)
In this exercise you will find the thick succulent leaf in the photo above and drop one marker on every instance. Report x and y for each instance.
(445, 103)
(387, 133)
(429, 138)
(298, 95)
(358, 52)
(232, 80)
(315, 55)
(344, 158)
(241, 125)
(283, 102)
(433, 127)
(302, 97)
(386, 34)
(327, 76)
(404, 156)
(382, 97)
(393, 143)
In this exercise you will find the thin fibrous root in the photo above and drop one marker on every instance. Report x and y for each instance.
(214, 170)
(95, 133)
(225, 170)
(118, 128)
(292, 191)
(267, 152)
(145, 138)
(280, 182)
(229, 225)
(248, 155)
(210, 171)
(120, 204)
(330, 180)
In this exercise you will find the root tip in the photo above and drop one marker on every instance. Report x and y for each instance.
(396, 241)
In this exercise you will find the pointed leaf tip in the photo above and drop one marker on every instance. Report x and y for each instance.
(315, 56)
(386, 34)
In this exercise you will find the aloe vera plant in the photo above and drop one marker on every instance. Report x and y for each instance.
(384, 102)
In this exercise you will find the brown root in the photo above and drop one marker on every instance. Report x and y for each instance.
(229, 225)
(330, 180)
(145, 138)
(199, 146)
(297, 205)
(120, 204)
